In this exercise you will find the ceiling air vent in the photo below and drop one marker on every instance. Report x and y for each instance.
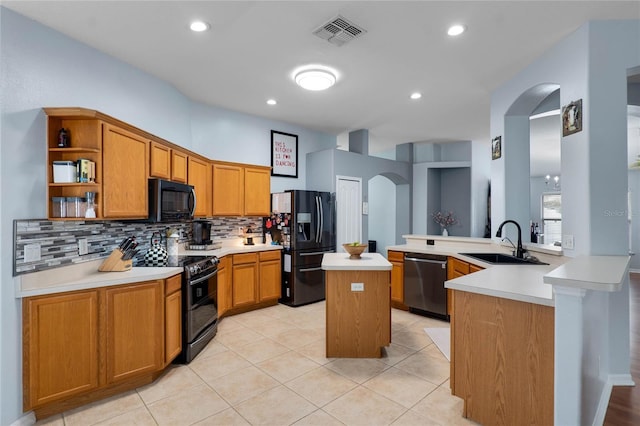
(339, 31)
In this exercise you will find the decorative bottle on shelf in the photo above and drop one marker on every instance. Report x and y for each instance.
(445, 233)
(63, 138)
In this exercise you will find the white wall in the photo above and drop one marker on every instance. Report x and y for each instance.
(382, 213)
(41, 67)
(588, 65)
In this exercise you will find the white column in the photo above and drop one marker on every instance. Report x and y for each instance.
(568, 355)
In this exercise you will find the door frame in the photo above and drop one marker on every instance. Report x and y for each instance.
(358, 206)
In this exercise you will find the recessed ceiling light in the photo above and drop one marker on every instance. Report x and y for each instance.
(416, 95)
(455, 30)
(315, 78)
(199, 26)
(271, 101)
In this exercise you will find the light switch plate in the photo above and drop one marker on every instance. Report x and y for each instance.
(357, 286)
(365, 207)
(567, 241)
(32, 253)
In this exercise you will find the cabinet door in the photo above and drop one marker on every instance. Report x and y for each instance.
(159, 161)
(270, 275)
(200, 178)
(257, 191)
(245, 278)
(172, 318)
(124, 163)
(135, 338)
(60, 341)
(228, 190)
(178, 166)
(397, 276)
(225, 296)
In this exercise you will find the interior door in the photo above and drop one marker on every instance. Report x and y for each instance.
(348, 211)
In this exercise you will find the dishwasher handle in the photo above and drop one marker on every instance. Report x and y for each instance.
(415, 259)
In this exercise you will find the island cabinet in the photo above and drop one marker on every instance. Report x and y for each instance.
(502, 359)
(167, 163)
(86, 345)
(200, 178)
(358, 305)
(397, 278)
(241, 189)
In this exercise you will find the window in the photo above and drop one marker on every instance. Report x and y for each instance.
(552, 218)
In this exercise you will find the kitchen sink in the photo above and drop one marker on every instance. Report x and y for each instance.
(501, 258)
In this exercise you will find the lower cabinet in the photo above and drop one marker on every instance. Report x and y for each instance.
(396, 258)
(84, 345)
(270, 275)
(245, 279)
(225, 293)
(60, 347)
(172, 318)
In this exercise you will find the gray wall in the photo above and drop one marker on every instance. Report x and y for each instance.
(41, 67)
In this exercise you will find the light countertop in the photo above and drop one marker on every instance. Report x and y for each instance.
(367, 262)
(85, 275)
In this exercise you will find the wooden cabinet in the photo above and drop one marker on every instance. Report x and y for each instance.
(85, 137)
(85, 345)
(125, 185)
(172, 318)
(225, 293)
(200, 178)
(179, 161)
(228, 189)
(241, 190)
(245, 279)
(396, 258)
(134, 330)
(510, 380)
(257, 191)
(60, 347)
(270, 275)
(167, 163)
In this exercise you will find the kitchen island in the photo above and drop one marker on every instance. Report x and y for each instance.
(358, 304)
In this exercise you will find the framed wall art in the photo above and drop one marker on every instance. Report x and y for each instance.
(496, 147)
(572, 118)
(284, 154)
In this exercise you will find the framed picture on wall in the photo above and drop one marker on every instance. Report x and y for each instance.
(496, 147)
(284, 154)
(572, 118)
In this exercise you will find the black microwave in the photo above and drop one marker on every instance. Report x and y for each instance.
(170, 201)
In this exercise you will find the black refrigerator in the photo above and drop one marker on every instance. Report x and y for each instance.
(306, 220)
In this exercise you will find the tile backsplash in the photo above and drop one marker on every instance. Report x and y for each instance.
(57, 241)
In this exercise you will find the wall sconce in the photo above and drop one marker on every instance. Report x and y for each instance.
(556, 180)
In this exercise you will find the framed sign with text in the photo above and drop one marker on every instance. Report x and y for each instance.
(284, 154)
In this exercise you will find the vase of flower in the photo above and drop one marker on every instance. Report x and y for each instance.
(445, 220)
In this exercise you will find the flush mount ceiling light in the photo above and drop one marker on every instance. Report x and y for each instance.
(315, 78)
(456, 30)
(199, 26)
(416, 95)
(271, 102)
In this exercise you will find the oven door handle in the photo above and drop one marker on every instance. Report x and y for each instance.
(199, 280)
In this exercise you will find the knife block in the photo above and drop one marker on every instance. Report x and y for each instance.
(114, 262)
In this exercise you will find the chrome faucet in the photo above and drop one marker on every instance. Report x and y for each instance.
(519, 249)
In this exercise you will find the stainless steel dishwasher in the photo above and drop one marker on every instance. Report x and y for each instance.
(424, 277)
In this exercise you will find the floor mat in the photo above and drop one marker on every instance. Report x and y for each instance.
(442, 338)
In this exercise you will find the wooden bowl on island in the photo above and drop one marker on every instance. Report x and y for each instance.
(354, 249)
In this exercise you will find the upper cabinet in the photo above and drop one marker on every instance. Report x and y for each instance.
(200, 178)
(241, 190)
(167, 163)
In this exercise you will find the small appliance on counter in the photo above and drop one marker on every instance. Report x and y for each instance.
(201, 237)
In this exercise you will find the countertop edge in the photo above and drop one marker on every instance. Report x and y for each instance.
(597, 273)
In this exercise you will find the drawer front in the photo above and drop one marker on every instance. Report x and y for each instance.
(397, 256)
(172, 284)
(245, 258)
(269, 255)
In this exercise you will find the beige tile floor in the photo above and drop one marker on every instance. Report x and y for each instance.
(268, 367)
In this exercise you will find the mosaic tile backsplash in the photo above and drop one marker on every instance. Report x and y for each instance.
(58, 240)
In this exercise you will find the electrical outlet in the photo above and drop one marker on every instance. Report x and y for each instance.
(83, 246)
(32, 253)
(357, 286)
(567, 241)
